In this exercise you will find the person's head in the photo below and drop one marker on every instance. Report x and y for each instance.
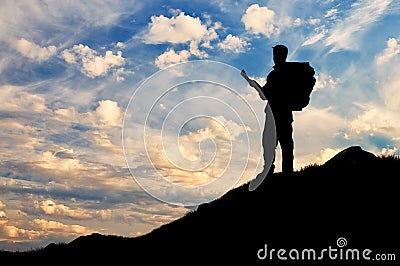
(280, 53)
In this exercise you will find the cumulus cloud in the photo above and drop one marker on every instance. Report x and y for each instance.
(199, 156)
(331, 13)
(325, 81)
(14, 232)
(184, 29)
(194, 50)
(392, 49)
(90, 62)
(51, 208)
(99, 130)
(120, 45)
(54, 227)
(298, 22)
(49, 143)
(388, 151)
(313, 21)
(50, 160)
(171, 57)
(14, 98)
(376, 120)
(109, 113)
(233, 44)
(177, 29)
(34, 51)
(259, 20)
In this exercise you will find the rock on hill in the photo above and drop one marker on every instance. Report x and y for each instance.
(353, 197)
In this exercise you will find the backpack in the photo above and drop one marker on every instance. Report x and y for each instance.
(300, 81)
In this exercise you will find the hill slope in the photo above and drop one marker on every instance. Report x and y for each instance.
(354, 196)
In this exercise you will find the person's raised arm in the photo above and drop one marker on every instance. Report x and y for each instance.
(253, 84)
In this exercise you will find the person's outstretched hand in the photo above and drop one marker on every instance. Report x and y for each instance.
(253, 84)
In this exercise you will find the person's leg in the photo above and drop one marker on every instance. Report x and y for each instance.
(287, 161)
(285, 138)
(287, 146)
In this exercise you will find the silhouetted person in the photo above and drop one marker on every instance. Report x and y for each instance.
(276, 91)
(276, 94)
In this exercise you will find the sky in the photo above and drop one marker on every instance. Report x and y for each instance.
(117, 117)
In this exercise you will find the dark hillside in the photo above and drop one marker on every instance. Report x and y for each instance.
(355, 196)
